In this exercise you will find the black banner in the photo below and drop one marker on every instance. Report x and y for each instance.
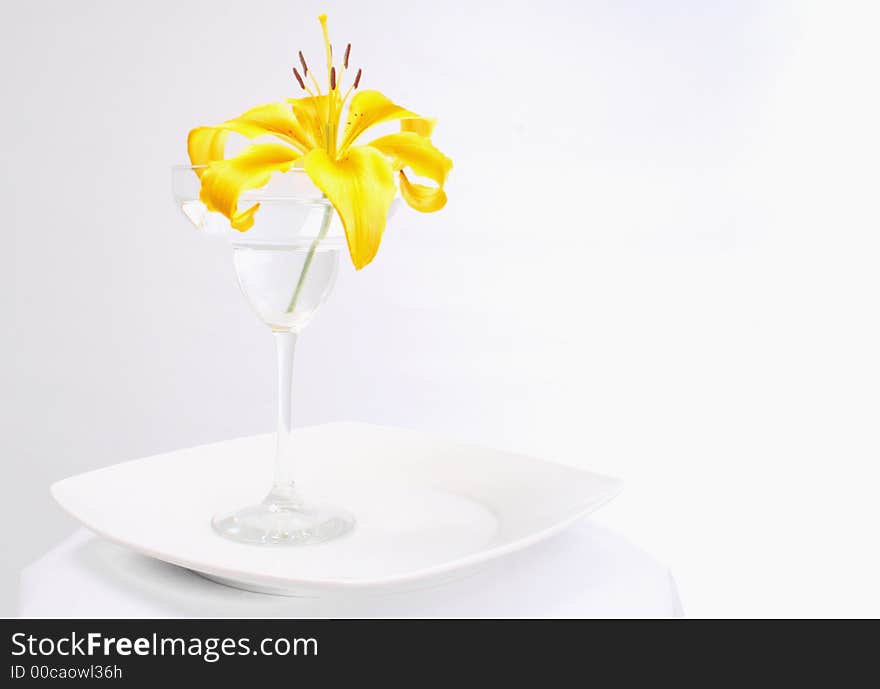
(138, 652)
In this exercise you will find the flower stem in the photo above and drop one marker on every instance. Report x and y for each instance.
(325, 226)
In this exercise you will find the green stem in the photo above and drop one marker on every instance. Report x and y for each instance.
(325, 226)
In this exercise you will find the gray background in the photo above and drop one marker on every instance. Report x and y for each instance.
(658, 261)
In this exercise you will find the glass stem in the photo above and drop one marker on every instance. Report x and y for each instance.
(325, 226)
(285, 344)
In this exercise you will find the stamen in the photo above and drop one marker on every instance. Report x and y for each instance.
(299, 79)
(315, 83)
(332, 78)
(357, 80)
(302, 61)
(347, 53)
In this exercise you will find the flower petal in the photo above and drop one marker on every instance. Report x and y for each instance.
(312, 113)
(277, 119)
(223, 181)
(423, 126)
(421, 197)
(207, 144)
(369, 108)
(409, 149)
(360, 186)
(416, 152)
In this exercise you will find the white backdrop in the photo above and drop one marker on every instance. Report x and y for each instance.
(658, 262)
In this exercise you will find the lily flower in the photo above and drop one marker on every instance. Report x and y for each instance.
(311, 133)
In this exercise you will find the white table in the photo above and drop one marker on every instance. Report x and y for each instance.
(586, 571)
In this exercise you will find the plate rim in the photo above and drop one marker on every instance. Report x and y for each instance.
(613, 488)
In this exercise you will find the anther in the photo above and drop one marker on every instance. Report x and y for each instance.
(302, 61)
(357, 79)
(333, 77)
(299, 79)
(347, 53)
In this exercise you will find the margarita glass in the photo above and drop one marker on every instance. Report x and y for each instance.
(286, 266)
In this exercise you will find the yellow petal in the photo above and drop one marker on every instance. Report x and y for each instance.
(422, 198)
(277, 119)
(369, 108)
(207, 144)
(312, 113)
(223, 181)
(361, 187)
(416, 152)
(423, 126)
(409, 149)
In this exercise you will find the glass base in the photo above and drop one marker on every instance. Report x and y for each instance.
(283, 518)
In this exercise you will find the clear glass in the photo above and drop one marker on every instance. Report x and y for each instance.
(286, 265)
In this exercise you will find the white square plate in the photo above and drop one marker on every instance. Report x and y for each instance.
(427, 509)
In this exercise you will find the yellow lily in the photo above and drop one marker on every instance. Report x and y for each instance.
(357, 179)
